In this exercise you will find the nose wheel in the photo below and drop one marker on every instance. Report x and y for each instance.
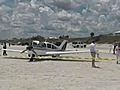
(32, 58)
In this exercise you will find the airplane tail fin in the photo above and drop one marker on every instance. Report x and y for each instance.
(63, 45)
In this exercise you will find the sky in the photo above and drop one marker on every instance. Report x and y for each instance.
(76, 18)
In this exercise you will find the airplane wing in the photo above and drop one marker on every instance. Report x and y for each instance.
(72, 52)
(17, 51)
(66, 52)
(50, 52)
(12, 50)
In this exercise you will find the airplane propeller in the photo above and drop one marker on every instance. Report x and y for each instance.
(29, 48)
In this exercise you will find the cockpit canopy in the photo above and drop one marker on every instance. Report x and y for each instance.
(45, 45)
(35, 42)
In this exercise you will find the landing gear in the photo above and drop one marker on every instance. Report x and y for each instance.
(32, 58)
(55, 56)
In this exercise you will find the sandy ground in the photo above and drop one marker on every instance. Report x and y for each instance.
(19, 74)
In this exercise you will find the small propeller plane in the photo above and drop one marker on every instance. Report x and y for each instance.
(46, 49)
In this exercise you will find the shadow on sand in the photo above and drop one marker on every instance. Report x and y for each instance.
(51, 59)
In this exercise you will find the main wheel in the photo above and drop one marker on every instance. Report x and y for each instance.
(55, 55)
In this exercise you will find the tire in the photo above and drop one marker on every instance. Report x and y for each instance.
(77, 46)
(32, 58)
(81, 46)
(84, 46)
(55, 55)
(74, 46)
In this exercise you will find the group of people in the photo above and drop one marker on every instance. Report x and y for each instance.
(94, 52)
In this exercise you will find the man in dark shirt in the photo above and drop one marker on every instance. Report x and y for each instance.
(4, 51)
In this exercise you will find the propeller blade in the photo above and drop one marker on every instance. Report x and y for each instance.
(34, 51)
(24, 51)
(27, 48)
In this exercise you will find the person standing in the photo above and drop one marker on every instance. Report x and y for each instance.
(93, 52)
(114, 46)
(4, 47)
(117, 49)
(9, 44)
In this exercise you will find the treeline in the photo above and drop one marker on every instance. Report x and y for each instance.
(27, 41)
(108, 39)
(23, 41)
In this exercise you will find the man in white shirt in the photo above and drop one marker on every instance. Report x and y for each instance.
(93, 52)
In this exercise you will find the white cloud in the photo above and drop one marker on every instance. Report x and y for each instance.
(46, 9)
(33, 3)
(4, 9)
(63, 15)
(104, 0)
(22, 6)
(102, 18)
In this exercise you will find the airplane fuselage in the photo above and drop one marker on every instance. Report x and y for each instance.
(41, 49)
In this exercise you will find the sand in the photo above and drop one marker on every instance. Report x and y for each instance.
(19, 74)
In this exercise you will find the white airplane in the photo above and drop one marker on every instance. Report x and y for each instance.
(46, 49)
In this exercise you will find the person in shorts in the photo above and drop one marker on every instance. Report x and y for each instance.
(117, 52)
(93, 52)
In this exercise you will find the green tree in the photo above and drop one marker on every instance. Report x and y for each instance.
(92, 34)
